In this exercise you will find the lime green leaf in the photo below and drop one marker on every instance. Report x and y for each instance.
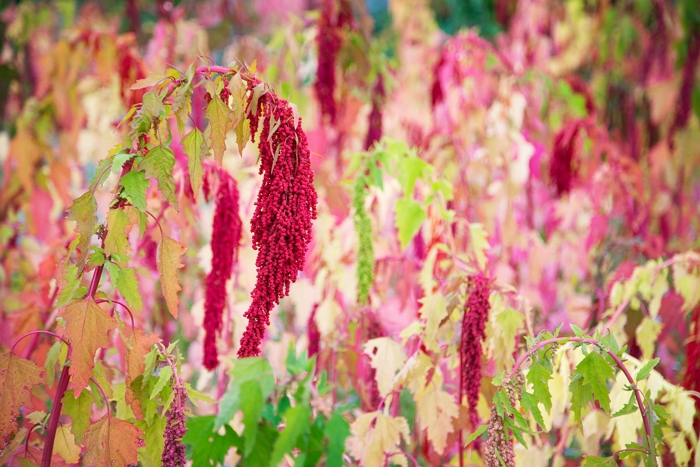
(251, 405)
(192, 145)
(646, 369)
(479, 431)
(264, 444)
(593, 461)
(220, 119)
(51, 360)
(577, 330)
(410, 169)
(628, 408)
(116, 240)
(70, 276)
(209, 448)
(100, 175)
(163, 378)
(128, 286)
(158, 164)
(182, 105)
(78, 410)
(580, 396)
(336, 430)
(595, 372)
(538, 376)
(296, 425)
(151, 453)
(134, 185)
(530, 403)
(409, 218)
(83, 212)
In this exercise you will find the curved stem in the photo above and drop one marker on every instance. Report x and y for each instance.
(618, 362)
(103, 395)
(38, 332)
(55, 415)
(131, 315)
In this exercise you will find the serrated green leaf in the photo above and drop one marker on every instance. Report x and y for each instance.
(645, 371)
(192, 145)
(128, 286)
(182, 105)
(410, 169)
(262, 451)
(221, 121)
(296, 425)
(531, 404)
(134, 186)
(577, 330)
(158, 164)
(595, 372)
(163, 378)
(100, 175)
(409, 218)
(539, 377)
(113, 271)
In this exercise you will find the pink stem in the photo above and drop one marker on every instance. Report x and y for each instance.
(620, 364)
(37, 332)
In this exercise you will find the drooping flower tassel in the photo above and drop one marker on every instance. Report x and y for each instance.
(226, 237)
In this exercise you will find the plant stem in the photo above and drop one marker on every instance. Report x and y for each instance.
(55, 415)
(618, 362)
(62, 386)
(36, 333)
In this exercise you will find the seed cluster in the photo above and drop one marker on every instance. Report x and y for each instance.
(476, 314)
(226, 237)
(328, 42)
(174, 450)
(374, 130)
(285, 208)
(498, 443)
(561, 169)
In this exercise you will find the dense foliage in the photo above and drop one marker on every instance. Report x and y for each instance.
(436, 233)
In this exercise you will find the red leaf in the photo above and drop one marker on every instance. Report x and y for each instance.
(17, 376)
(111, 442)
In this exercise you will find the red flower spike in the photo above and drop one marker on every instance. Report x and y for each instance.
(226, 237)
(476, 313)
(328, 42)
(284, 210)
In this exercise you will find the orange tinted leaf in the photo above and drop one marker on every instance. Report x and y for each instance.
(139, 345)
(111, 442)
(169, 252)
(17, 376)
(83, 212)
(87, 326)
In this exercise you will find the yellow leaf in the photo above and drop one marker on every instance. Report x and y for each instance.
(433, 311)
(436, 410)
(647, 332)
(169, 253)
(426, 278)
(686, 278)
(65, 445)
(326, 315)
(679, 448)
(374, 435)
(387, 357)
(478, 243)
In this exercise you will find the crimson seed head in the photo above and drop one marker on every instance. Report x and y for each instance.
(476, 313)
(374, 130)
(284, 210)
(561, 170)
(328, 41)
(226, 236)
(174, 450)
